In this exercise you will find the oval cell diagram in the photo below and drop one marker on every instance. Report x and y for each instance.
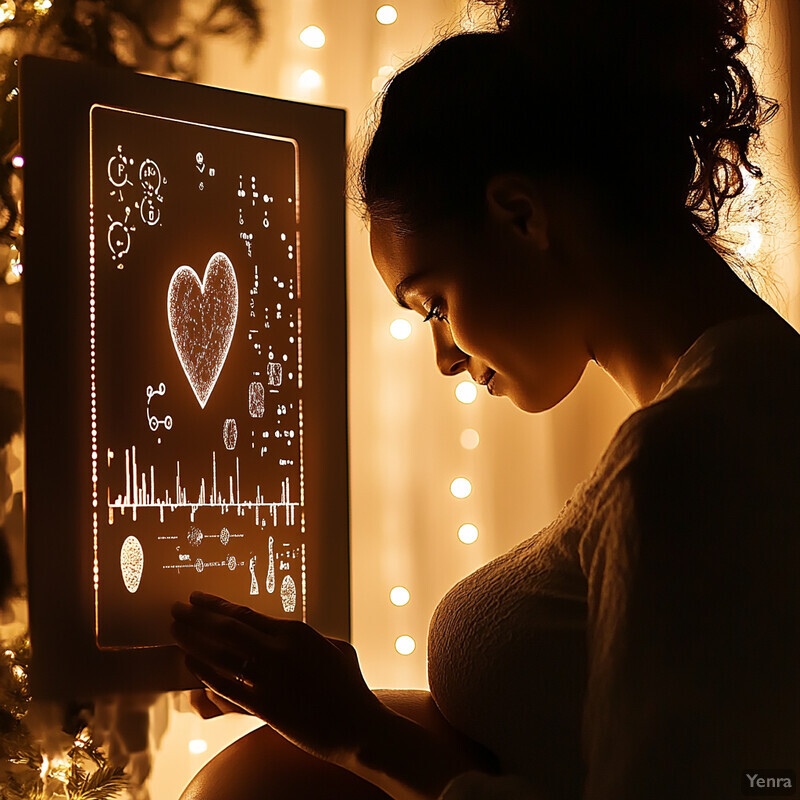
(131, 562)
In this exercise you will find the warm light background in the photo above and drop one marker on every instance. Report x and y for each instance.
(406, 423)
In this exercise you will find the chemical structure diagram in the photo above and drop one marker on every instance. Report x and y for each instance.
(150, 182)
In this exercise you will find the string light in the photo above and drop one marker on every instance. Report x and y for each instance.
(470, 438)
(466, 392)
(42, 6)
(382, 78)
(310, 79)
(15, 263)
(197, 746)
(313, 36)
(400, 329)
(754, 241)
(460, 488)
(386, 15)
(468, 533)
(405, 645)
(399, 596)
(59, 769)
(17, 162)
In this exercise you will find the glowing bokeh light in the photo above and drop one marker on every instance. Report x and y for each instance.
(399, 596)
(400, 329)
(197, 746)
(17, 162)
(466, 392)
(8, 10)
(468, 533)
(461, 488)
(312, 36)
(405, 645)
(754, 241)
(470, 438)
(15, 262)
(310, 79)
(386, 15)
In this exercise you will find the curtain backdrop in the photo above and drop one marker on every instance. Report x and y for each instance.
(405, 421)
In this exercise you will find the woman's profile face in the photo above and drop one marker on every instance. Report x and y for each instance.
(498, 306)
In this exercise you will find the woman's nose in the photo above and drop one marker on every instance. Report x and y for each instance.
(449, 359)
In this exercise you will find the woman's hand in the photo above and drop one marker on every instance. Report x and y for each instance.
(310, 689)
(304, 685)
(208, 704)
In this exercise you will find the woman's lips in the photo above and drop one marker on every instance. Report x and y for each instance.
(490, 384)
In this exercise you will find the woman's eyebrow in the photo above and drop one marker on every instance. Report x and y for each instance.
(404, 287)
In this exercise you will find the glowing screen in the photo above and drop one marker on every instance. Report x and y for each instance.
(196, 372)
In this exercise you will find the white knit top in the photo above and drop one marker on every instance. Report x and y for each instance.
(646, 644)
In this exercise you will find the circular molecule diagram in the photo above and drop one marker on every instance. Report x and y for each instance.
(118, 171)
(119, 239)
(195, 536)
(150, 176)
(151, 213)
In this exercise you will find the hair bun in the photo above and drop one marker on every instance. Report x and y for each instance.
(667, 73)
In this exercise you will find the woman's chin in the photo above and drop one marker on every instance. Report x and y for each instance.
(537, 394)
(523, 401)
(533, 402)
(529, 407)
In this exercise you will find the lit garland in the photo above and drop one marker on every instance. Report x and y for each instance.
(111, 33)
(115, 33)
(83, 773)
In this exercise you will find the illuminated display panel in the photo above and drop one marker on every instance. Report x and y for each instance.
(196, 402)
(185, 367)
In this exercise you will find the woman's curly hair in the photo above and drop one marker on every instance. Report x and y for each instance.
(685, 55)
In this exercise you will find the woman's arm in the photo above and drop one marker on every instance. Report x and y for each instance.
(311, 690)
(406, 760)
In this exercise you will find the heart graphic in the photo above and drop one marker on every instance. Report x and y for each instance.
(202, 319)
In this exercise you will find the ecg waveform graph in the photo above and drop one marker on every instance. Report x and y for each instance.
(140, 492)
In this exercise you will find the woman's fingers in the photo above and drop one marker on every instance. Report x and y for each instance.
(208, 704)
(201, 701)
(234, 690)
(233, 639)
(222, 642)
(305, 685)
(223, 618)
(219, 605)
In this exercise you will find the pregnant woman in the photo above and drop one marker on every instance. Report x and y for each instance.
(546, 195)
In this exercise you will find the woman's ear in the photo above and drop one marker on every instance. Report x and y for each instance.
(513, 201)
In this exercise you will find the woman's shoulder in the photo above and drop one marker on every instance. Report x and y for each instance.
(737, 377)
(734, 358)
(724, 428)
